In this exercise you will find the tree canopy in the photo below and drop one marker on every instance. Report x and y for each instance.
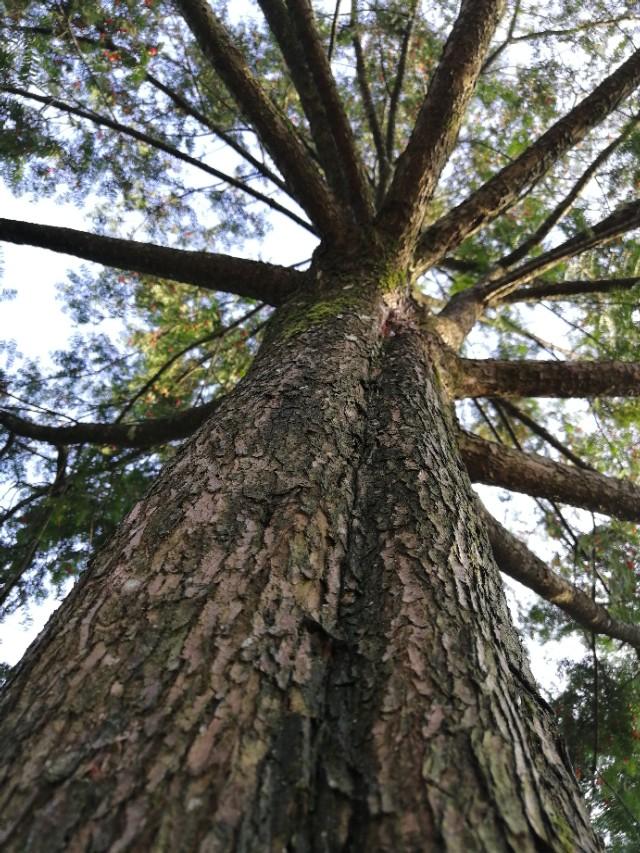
(496, 144)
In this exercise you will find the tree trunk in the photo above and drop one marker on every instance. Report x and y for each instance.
(298, 641)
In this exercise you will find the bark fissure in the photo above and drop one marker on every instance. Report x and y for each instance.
(405, 575)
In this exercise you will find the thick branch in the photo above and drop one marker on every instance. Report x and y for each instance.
(464, 309)
(566, 203)
(352, 186)
(277, 17)
(529, 473)
(516, 560)
(160, 145)
(491, 378)
(501, 191)
(253, 279)
(440, 117)
(272, 126)
(140, 434)
(559, 290)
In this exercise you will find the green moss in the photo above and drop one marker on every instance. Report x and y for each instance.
(300, 316)
(394, 280)
(564, 835)
(348, 292)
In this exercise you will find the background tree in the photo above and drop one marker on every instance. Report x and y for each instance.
(463, 171)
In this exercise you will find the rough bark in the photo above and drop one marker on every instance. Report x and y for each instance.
(298, 640)
(438, 122)
(489, 377)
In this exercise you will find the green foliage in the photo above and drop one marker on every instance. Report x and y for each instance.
(599, 710)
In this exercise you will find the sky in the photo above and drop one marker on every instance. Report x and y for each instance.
(35, 321)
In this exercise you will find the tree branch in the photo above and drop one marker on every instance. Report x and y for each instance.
(436, 128)
(141, 434)
(298, 45)
(212, 336)
(559, 290)
(394, 101)
(367, 100)
(273, 127)
(503, 45)
(492, 378)
(501, 191)
(563, 206)
(516, 560)
(334, 30)
(529, 473)
(155, 142)
(189, 109)
(252, 279)
(550, 33)
(624, 219)
(105, 41)
(541, 432)
(463, 310)
(352, 187)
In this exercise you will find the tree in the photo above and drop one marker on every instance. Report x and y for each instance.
(298, 638)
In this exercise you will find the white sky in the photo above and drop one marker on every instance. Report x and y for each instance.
(34, 319)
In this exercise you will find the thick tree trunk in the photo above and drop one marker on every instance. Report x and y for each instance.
(298, 641)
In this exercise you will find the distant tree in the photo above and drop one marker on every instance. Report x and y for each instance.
(297, 639)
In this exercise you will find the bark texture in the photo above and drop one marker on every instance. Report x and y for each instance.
(298, 641)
